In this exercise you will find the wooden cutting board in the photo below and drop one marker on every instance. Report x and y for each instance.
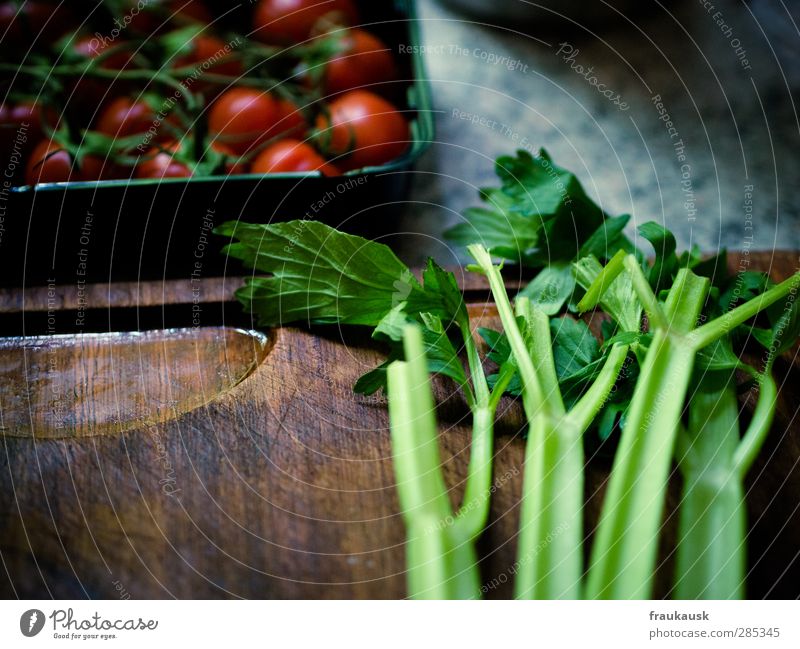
(210, 462)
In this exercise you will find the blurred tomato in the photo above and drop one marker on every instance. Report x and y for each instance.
(202, 49)
(21, 126)
(90, 91)
(365, 129)
(160, 163)
(124, 116)
(294, 21)
(50, 163)
(96, 167)
(291, 155)
(365, 60)
(243, 118)
(90, 47)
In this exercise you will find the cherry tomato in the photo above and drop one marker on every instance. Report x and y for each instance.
(50, 163)
(209, 48)
(243, 118)
(90, 47)
(89, 92)
(364, 61)
(162, 164)
(291, 155)
(124, 116)
(95, 167)
(365, 129)
(293, 21)
(21, 125)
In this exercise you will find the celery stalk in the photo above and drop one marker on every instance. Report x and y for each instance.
(439, 565)
(710, 559)
(549, 553)
(623, 556)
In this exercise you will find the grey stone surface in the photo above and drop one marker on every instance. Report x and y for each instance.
(737, 119)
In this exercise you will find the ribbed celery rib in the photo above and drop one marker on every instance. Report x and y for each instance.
(623, 556)
(439, 565)
(549, 551)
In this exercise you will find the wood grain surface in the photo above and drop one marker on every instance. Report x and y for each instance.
(281, 485)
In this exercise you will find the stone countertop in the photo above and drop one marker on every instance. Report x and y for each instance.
(597, 95)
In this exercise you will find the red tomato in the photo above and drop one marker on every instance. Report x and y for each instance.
(89, 92)
(209, 48)
(365, 129)
(124, 116)
(13, 129)
(99, 168)
(293, 21)
(364, 61)
(90, 47)
(291, 155)
(162, 164)
(243, 118)
(50, 163)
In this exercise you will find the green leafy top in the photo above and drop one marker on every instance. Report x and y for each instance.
(321, 275)
(534, 216)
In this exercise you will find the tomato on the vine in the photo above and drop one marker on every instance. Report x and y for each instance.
(162, 163)
(50, 163)
(294, 21)
(124, 116)
(243, 118)
(362, 130)
(90, 91)
(365, 60)
(209, 49)
(90, 47)
(292, 155)
(21, 124)
(101, 167)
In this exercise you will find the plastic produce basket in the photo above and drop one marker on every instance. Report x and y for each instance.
(119, 230)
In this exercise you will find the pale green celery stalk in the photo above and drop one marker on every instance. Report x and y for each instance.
(760, 424)
(552, 498)
(439, 567)
(585, 410)
(724, 324)
(710, 558)
(624, 551)
(549, 556)
(473, 514)
(711, 552)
